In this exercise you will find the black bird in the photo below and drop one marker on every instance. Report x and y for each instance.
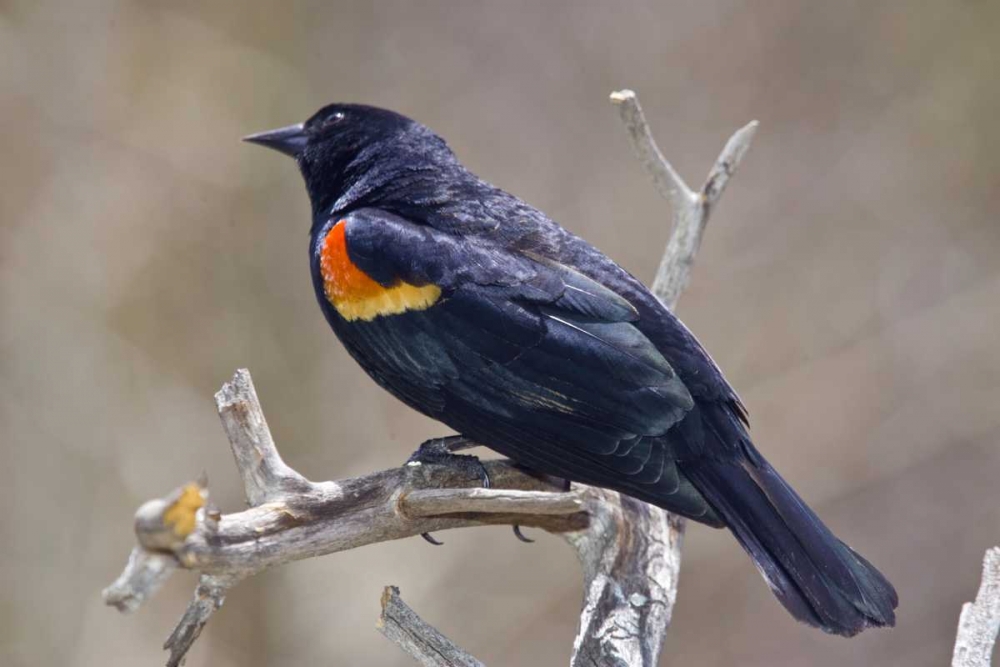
(476, 309)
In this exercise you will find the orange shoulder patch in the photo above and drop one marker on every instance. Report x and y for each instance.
(355, 295)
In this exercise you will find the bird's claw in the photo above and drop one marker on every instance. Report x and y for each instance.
(430, 538)
(519, 535)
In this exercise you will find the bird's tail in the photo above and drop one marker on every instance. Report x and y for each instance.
(819, 579)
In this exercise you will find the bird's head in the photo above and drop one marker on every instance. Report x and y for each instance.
(347, 151)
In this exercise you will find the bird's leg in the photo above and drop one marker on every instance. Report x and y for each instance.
(441, 451)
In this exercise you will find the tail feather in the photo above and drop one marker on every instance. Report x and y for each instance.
(819, 579)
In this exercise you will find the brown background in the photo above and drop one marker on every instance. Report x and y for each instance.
(849, 285)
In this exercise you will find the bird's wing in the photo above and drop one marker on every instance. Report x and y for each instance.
(523, 354)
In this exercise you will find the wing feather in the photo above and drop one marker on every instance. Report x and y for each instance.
(524, 354)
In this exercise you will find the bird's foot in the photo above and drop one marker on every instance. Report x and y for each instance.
(441, 451)
(436, 447)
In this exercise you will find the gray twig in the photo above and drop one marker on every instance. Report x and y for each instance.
(421, 641)
(437, 502)
(208, 597)
(630, 551)
(265, 475)
(690, 209)
(979, 622)
(144, 573)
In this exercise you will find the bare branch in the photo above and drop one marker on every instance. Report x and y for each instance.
(979, 622)
(182, 530)
(391, 504)
(420, 640)
(666, 179)
(690, 209)
(726, 164)
(631, 557)
(144, 573)
(265, 476)
(208, 597)
(435, 502)
(630, 551)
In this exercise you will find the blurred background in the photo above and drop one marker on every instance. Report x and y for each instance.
(849, 285)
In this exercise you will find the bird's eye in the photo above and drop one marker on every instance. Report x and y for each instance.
(333, 119)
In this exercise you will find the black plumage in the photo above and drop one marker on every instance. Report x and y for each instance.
(537, 345)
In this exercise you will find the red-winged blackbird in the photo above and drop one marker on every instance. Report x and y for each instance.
(476, 309)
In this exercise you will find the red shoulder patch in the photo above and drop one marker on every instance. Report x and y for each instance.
(354, 294)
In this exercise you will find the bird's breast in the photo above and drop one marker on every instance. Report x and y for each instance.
(357, 296)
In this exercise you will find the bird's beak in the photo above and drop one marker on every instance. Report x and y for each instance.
(288, 140)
